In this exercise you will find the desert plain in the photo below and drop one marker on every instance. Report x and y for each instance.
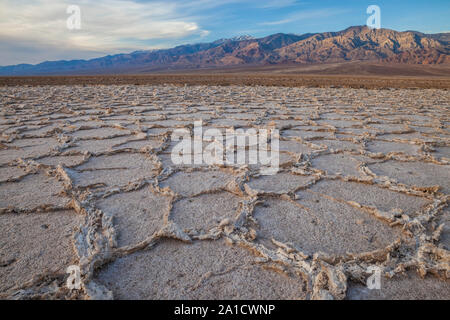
(86, 180)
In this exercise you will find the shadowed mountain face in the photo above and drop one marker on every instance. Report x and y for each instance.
(352, 44)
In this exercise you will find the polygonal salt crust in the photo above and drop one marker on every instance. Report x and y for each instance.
(427, 130)
(334, 116)
(76, 123)
(9, 172)
(334, 164)
(349, 132)
(388, 147)
(415, 173)
(191, 183)
(201, 270)
(42, 130)
(370, 195)
(416, 118)
(306, 135)
(119, 160)
(407, 137)
(114, 170)
(307, 128)
(280, 182)
(166, 160)
(283, 123)
(158, 131)
(243, 116)
(127, 122)
(175, 123)
(340, 145)
(18, 129)
(442, 153)
(319, 224)
(340, 123)
(31, 192)
(81, 119)
(99, 133)
(441, 135)
(205, 211)
(27, 148)
(66, 161)
(97, 146)
(194, 143)
(139, 144)
(407, 286)
(109, 179)
(388, 127)
(228, 123)
(294, 147)
(136, 215)
(285, 160)
(34, 244)
(191, 117)
(320, 219)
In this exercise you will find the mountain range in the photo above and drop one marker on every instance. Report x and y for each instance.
(353, 44)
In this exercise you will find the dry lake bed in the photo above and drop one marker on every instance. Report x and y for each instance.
(87, 182)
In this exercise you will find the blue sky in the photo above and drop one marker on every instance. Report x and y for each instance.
(32, 31)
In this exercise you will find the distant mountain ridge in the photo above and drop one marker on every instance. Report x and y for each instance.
(353, 44)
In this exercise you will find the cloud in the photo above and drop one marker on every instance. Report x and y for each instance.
(106, 26)
(272, 4)
(305, 15)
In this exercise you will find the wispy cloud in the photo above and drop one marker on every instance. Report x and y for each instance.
(305, 15)
(272, 4)
(107, 26)
(32, 31)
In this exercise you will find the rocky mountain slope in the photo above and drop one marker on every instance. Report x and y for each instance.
(353, 44)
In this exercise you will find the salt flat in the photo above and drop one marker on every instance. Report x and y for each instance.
(86, 179)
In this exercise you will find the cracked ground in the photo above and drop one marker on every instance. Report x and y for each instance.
(86, 179)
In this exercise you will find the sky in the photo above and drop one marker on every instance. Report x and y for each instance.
(32, 31)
